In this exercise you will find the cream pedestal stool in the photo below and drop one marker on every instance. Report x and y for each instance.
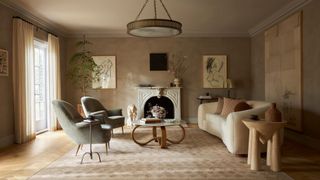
(266, 132)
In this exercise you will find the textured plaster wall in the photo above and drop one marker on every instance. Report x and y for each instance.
(133, 68)
(310, 68)
(6, 94)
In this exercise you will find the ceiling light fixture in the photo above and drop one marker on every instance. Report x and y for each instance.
(154, 27)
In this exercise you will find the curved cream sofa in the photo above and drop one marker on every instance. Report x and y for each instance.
(231, 129)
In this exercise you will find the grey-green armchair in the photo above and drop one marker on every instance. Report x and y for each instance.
(73, 125)
(92, 107)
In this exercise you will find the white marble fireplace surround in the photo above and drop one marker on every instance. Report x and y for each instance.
(173, 93)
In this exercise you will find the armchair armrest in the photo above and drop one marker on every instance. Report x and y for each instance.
(103, 112)
(114, 112)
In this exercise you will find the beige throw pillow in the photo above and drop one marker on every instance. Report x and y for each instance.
(219, 106)
(229, 106)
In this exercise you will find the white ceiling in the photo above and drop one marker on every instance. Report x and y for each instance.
(110, 17)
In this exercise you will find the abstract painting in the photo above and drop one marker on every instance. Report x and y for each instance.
(4, 65)
(107, 79)
(214, 71)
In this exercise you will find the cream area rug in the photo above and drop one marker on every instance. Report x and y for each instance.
(199, 156)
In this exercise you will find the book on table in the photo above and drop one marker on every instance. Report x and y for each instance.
(151, 120)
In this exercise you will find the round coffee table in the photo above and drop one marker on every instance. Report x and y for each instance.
(162, 140)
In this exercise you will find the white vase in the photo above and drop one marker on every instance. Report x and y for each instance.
(177, 82)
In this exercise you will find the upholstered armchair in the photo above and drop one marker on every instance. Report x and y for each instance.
(73, 125)
(92, 107)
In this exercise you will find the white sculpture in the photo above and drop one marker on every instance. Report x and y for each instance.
(132, 114)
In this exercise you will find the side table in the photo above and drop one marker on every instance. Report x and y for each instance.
(265, 132)
(91, 122)
(208, 99)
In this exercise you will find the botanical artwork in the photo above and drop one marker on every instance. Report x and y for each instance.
(283, 69)
(214, 71)
(4, 66)
(107, 66)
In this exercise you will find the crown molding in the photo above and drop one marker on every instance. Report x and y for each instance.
(43, 23)
(278, 16)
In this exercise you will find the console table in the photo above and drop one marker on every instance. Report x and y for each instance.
(265, 132)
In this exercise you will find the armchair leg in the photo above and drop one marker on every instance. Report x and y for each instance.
(107, 148)
(112, 132)
(80, 145)
(122, 130)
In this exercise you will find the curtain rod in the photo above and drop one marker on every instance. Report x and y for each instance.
(18, 17)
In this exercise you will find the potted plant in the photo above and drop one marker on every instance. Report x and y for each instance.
(82, 69)
(177, 66)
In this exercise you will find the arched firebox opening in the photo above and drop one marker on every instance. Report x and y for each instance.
(164, 102)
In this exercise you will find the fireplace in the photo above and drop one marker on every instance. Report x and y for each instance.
(169, 98)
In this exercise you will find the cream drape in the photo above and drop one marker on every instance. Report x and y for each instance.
(22, 81)
(54, 77)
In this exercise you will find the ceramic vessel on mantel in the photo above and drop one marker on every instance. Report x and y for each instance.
(177, 82)
(273, 114)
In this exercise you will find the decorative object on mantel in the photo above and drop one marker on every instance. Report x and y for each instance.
(229, 85)
(145, 85)
(177, 66)
(107, 66)
(214, 71)
(4, 65)
(154, 27)
(82, 69)
(273, 114)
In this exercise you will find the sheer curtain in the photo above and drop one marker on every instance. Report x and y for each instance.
(54, 77)
(22, 81)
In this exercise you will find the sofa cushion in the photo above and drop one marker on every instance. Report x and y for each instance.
(242, 106)
(219, 105)
(229, 105)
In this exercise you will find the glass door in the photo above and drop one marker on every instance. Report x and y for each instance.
(40, 85)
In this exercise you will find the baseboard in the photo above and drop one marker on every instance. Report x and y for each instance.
(302, 139)
(191, 120)
(6, 141)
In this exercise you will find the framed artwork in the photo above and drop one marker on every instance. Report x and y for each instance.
(4, 65)
(158, 62)
(107, 78)
(214, 71)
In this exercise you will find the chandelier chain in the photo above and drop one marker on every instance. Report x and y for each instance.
(144, 5)
(164, 7)
(155, 8)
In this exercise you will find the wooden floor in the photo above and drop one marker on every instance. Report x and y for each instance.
(22, 161)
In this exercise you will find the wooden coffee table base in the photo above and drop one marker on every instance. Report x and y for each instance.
(162, 140)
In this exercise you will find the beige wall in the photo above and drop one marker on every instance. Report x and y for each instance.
(6, 94)
(310, 69)
(133, 68)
